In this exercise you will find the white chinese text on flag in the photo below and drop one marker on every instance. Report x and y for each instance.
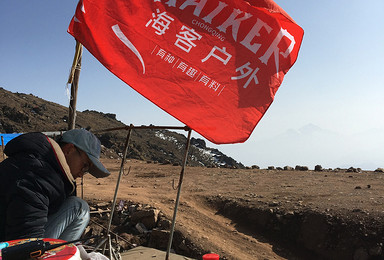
(214, 65)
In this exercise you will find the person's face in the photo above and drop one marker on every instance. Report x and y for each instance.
(77, 160)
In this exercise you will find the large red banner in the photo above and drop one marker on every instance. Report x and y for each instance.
(214, 65)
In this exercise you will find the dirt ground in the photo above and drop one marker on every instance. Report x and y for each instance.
(239, 214)
(348, 202)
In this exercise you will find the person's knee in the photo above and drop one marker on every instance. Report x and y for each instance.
(81, 206)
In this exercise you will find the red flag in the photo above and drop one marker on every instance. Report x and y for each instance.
(214, 65)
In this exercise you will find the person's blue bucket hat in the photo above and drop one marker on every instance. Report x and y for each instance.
(90, 144)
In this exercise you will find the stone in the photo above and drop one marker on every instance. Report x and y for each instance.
(148, 217)
(165, 224)
(141, 228)
(159, 238)
(301, 168)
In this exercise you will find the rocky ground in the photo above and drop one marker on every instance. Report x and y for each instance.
(238, 213)
(245, 213)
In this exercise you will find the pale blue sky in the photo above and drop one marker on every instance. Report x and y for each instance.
(336, 85)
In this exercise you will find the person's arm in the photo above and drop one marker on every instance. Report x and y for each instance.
(27, 211)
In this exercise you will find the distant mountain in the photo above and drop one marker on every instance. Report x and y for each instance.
(21, 113)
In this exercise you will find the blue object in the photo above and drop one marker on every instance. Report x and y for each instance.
(8, 137)
(3, 245)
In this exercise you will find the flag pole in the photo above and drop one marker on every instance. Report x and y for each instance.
(178, 195)
(74, 81)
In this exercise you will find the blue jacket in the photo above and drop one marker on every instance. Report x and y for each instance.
(33, 184)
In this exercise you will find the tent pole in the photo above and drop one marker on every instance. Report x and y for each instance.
(116, 190)
(178, 195)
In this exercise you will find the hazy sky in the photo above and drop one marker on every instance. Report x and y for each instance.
(335, 89)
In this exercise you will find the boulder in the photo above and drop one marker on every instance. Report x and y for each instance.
(352, 169)
(301, 168)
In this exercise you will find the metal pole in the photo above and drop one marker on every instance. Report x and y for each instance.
(178, 195)
(110, 246)
(117, 187)
(186, 128)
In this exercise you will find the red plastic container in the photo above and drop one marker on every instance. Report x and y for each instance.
(66, 252)
(211, 257)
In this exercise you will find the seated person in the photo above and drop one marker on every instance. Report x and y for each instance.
(38, 188)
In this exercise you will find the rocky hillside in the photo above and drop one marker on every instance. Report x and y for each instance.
(20, 113)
